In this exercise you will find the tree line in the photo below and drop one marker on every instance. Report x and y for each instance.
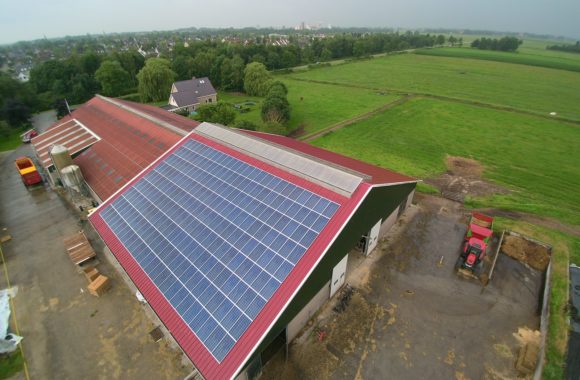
(501, 44)
(17, 103)
(79, 77)
(570, 48)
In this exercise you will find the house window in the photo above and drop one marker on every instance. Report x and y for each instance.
(209, 100)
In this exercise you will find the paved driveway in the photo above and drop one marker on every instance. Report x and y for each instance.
(69, 334)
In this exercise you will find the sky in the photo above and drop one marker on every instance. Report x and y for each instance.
(33, 19)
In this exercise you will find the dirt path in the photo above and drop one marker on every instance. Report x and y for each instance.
(534, 219)
(446, 98)
(355, 119)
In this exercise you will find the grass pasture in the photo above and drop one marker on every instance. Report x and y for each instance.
(11, 141)
(533, 89)
(316, 106)
(566, 61)
(535, 158)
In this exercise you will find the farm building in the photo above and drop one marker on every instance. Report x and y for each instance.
(111, 141)
(234, 238)
(188, 94)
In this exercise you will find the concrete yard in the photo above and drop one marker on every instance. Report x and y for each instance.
(411, 316)
(68, 333)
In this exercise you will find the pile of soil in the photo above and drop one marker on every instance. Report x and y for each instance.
(463, 177)
(465, 167)
(535, 255)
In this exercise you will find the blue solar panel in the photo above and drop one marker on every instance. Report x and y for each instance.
(217, 236)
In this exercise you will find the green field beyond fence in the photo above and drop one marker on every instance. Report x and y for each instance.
(533, 89)
(537, 159)
(548, 58)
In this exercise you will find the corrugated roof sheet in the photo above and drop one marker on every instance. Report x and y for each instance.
(376, 174)
(69, 132)
(131, 137)
(324, 173)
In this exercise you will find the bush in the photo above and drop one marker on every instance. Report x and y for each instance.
(182, 112)
(247, 125)
(274, 128)
(131, 97)
(220, 112)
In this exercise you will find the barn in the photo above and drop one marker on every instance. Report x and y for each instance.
(236, 238)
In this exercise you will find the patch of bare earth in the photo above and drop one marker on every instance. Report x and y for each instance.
(535, 255)
(463, 178)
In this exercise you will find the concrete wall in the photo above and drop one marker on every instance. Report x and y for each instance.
(302, 318)
(389, 222)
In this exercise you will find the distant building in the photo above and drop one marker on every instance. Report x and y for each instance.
(188, 94)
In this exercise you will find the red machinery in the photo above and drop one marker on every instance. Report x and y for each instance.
(476, 241)
(28, 135)
(27, 171)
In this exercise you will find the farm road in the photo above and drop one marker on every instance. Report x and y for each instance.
(68, 333)
(355, 119)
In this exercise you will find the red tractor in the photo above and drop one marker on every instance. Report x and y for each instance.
(476, 241)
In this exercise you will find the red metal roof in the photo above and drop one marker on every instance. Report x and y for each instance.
(378, 175)
(129, 142)
(68, 132)
(249, 341)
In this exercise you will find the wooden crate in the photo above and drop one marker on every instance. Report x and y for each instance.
(78, 248)
(99, 286)
(91, 274)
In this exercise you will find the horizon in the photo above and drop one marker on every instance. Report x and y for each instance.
(425, 30)
(20, 24)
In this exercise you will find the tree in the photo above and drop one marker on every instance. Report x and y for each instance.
(232, 74)
(132, 62)
(440, 39)
(114, 80)
(155, 80)
(89, 63)
(4, 129)
(256, 79)
(220, 112)
(203, 63)
(183, 67)
(275, 108)
(15, 112)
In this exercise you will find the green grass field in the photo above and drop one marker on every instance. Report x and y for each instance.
(534, 89)
(536, 158)
(316, 106)
(11, 142)
(565, 61)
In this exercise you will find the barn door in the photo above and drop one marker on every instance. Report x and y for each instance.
(373, 237)
(338, 275)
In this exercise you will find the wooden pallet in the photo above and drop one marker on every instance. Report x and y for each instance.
(78, 248)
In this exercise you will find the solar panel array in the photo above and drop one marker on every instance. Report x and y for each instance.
(217, 236)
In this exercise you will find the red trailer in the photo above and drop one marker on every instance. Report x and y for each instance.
(27, 171)
(476, 241)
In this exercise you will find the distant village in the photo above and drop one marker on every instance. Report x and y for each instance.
(19, 58)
